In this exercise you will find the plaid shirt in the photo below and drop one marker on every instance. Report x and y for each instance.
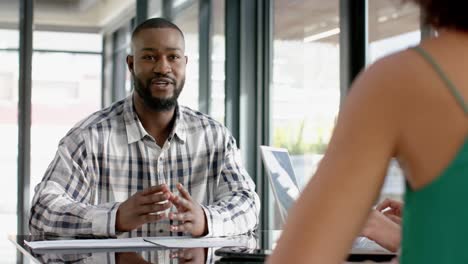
(109, 156)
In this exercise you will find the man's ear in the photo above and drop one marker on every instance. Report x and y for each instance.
(130, 63)
(186, 59)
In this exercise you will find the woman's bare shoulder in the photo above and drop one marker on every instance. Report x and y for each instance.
(399, 67)
(394, 77)
(388, 76)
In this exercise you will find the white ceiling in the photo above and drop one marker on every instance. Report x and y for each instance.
(294, 19)
(298, 19)
(70, 15)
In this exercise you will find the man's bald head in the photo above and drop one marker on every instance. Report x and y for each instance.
(155, 23)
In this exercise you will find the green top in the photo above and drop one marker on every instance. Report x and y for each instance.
(435, 218)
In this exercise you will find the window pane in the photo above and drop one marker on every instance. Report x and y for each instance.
(218, 58)
(66, 86)
(61, 96)
(155, 8)
(305, 82)
(9, 56)
(67, 41)
(10, 39)
(121, 48)
(9, 143)
(187, 20)
(393, 26)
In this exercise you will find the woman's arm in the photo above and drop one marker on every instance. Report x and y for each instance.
(335, 204)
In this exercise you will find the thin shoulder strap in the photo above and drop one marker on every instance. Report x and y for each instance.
(453, 89)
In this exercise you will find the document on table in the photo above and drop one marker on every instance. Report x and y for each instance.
(89, 243)
(188, 242)
(136, 242)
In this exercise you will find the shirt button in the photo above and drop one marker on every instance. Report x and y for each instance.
(161, 231)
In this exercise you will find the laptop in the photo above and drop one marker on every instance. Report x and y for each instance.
(283, 180)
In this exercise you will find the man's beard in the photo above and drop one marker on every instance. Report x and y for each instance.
(155, 103)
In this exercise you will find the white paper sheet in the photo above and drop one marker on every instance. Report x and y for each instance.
(90, 243)
(185, 242)
(137, 242)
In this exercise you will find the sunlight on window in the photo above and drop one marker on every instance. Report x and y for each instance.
(66, 87)
(305, 88)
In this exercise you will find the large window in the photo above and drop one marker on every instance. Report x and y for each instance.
(218, 57)
(393, 26)
(8, 140)
(122, 82)
(9, 56)
(186, 18)
(66, 87)
(305, 91)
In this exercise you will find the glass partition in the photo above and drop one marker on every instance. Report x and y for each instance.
(66, 71)
(66, 87)
(393, 26)
(305, 88)
(218, 59)
(186, 18)
(9, 72)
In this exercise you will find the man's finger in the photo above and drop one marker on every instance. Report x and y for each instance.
(184, 192)
(150, 218)
(181, 203)
(155, 189)
(153, 198)
(175, 200)
(153, 208)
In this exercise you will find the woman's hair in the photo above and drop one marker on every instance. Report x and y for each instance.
(444, 13)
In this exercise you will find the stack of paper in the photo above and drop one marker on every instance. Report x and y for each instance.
(137, 242)
(89, 243)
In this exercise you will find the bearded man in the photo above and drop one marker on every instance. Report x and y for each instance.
(147, 166)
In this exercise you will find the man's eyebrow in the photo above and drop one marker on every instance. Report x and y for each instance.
(173, 49)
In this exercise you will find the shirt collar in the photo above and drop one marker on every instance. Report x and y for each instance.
(136, 131)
